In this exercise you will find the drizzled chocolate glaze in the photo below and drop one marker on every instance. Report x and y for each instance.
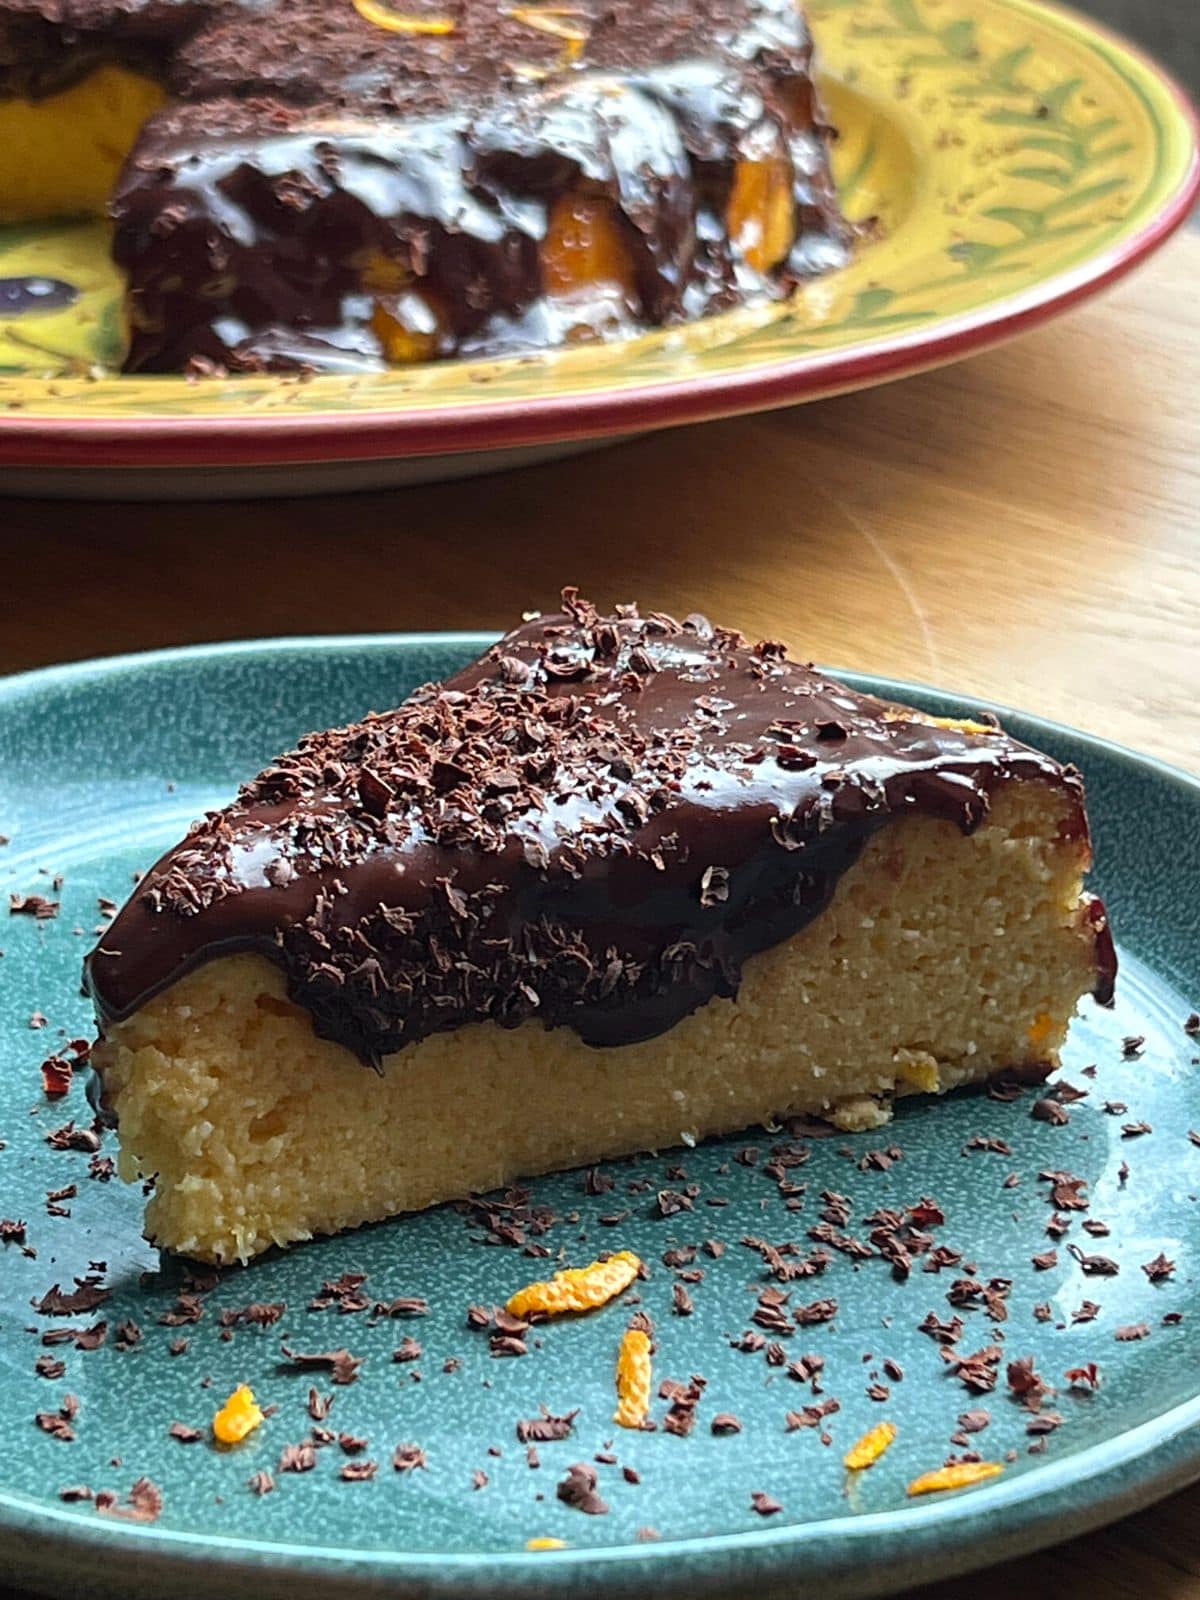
(315, 167)
(593, 825)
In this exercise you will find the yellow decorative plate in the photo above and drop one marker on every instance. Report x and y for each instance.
(1018, 158)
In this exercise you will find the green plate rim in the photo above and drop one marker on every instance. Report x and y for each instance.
(1065, 1497)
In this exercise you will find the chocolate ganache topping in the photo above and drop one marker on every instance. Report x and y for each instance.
(593, 825)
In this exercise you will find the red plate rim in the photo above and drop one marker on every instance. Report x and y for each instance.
(339, 436)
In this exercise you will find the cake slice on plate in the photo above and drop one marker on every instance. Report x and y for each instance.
(622, 882)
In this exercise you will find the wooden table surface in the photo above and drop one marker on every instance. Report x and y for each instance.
(1025, 526)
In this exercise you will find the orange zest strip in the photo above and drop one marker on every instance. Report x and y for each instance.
(870, 1447)
(927, 720)
(634, 1378)
(381, 15)
(545, 1544)
(558, 21)
(239, 1416)
(959, 1476)
(577, 1288)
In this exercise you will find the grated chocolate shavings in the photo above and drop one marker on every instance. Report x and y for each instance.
(57, 1073)
(975, 1420)
(1084, 1377)
(578, 1490)
(403, 1306)
(345, 1294)
(977, 1372)
(37, 906)
(69, 1137)
(86, 1296)
(144, 1504)
(1159, 1269)
(60, 1424)
(683, 1398)
(547, 1427)
(343, 1367)
(811, 1416)
(319, 1405)
(298, 1457)
(1094, 1265)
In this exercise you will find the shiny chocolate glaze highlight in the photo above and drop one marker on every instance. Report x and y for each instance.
(593, 825)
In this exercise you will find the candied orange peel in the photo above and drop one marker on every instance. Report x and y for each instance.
(926, 719)
(577, 1288)
(761, 215)
(381, 15)
(239, 1416)
(567, 23)
(634, 1378)
(960, 1476)
(870, 1447)
(1040, 1029)
(545, 1544)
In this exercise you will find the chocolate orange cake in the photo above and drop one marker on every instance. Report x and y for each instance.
(342, 183)
(623, 882)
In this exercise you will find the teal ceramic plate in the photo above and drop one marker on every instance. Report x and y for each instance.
(102, 765)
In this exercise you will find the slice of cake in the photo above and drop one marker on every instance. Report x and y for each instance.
(342, 183)
(623, 881)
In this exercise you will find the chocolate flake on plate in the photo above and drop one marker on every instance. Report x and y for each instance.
(409, 1457)
(1158, 1269)
(37, 906)
(766, 1505)
(578, 1490)
(547, 1427)
(343, 1367)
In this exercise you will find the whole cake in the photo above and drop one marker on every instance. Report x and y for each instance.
(623, 882)
(342, 183)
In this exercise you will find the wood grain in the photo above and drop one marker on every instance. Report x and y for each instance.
(1024, 526)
